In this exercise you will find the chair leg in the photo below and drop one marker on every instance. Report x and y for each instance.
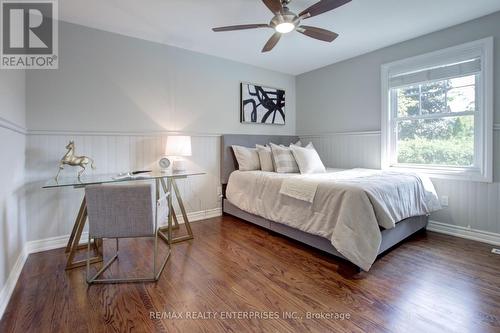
(104, 267)
(162, 266)
(153, 278)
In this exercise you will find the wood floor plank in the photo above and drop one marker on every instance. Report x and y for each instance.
(429, 283)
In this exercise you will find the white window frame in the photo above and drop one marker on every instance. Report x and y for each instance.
(483, 120)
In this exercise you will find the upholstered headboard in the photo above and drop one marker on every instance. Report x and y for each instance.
(228, 161)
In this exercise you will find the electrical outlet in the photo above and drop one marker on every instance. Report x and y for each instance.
(495, 251)
(444, 200)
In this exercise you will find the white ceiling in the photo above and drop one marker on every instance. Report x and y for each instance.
(363, 25)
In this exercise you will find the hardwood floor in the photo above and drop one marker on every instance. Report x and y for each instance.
(430, 283)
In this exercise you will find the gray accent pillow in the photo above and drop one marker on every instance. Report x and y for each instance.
(283, 159)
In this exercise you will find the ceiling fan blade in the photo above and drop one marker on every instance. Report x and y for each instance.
(273, 5)
(317, 33)
(322, 7)
(271, 43)
(241, 27)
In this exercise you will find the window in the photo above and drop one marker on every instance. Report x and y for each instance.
(438, 114)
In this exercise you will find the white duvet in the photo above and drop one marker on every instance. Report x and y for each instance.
(348, 206)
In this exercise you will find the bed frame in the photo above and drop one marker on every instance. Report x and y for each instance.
(390, 237)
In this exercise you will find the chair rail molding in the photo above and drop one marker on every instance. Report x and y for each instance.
(351, 133)
(117, 133)
(496, 127)
(9, 125)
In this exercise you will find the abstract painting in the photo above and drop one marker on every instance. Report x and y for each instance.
(262, 105)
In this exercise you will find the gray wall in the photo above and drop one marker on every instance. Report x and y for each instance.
(12, 96)
(123, 90)
(12, 148)
(109, 82)
(346, 97)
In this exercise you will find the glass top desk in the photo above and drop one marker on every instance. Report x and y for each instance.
(160, 186)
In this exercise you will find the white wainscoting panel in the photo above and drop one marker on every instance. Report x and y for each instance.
(472, 206)
(12, 207)
(347, 150)
(51, 212)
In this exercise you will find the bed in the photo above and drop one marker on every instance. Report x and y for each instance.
(353, 215)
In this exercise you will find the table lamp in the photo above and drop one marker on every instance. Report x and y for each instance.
(178, 146)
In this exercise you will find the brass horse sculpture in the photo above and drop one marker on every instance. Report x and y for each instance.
(70, 159)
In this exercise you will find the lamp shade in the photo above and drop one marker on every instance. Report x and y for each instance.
(178, 146)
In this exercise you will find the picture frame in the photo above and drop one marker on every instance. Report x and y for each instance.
(262, 104)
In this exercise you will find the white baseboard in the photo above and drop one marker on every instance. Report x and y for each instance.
(51, 243)
(61, 241)
(201, 215)
(11, 281)
(462, 232)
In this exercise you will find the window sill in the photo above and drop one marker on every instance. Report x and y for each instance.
(444, 173)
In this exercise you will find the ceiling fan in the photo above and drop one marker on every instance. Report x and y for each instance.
(285, 21)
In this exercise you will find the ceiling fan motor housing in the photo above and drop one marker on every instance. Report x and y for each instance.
(285, 16)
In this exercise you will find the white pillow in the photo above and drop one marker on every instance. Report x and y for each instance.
(307, 159)
(283, 159)
(248, 158)
(265, 157)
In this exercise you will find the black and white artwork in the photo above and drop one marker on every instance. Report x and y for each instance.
(262, 105)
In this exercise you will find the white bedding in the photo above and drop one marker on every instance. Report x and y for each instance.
(304, 190)
(348, 206)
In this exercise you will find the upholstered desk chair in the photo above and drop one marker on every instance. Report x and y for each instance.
(124, 211)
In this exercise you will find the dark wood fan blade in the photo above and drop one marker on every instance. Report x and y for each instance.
(273, 5)
(271, 43)
(322, 7)
(317, 33)
(241, 27)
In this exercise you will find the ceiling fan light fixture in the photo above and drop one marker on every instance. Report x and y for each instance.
(286, 21)
(285, 27)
